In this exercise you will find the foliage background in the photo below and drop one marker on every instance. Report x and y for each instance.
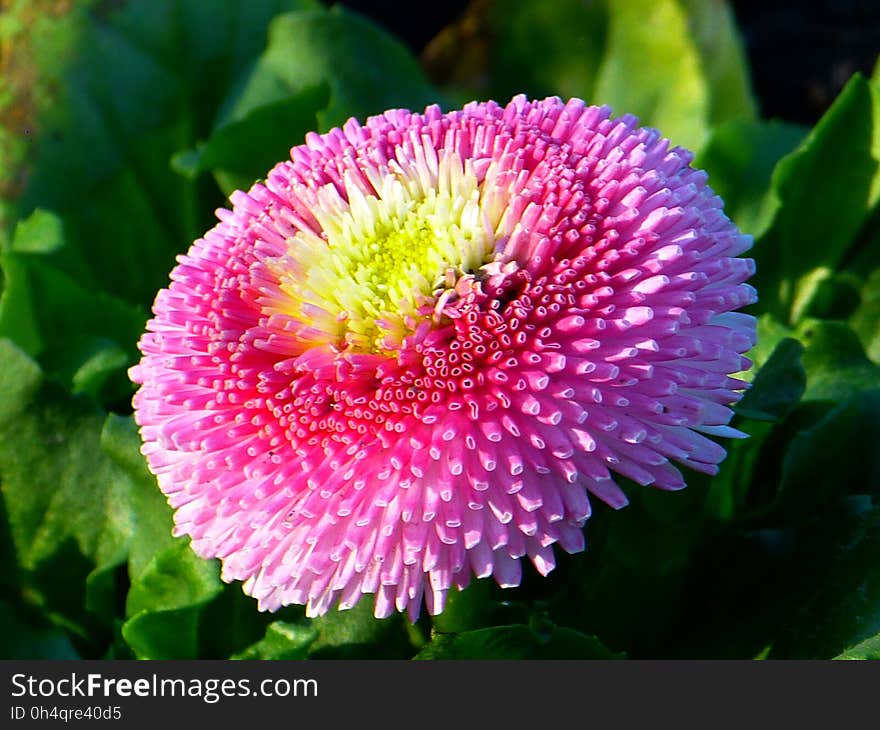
(124, 122)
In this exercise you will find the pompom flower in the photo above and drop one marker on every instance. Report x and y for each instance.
(413, 353)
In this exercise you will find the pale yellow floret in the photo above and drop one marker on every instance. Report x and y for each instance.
(383, 257)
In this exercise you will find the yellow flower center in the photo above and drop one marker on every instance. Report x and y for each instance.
(381, 258)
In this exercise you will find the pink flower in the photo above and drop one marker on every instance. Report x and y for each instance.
(413, 353)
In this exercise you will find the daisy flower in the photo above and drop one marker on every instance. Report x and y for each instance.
(414, 353)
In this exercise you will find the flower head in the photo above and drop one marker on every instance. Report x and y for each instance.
(413, 353)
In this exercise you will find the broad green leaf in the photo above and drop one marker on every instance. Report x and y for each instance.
(676, 64)
(481, 604)
(282, 641)
(169, 634)
(367, 70)
(866, 319)
(785, 592)
(543, 48)
(730, 495)
(174, 578)
(66, 503)
(246, 149)
(652, 69)
(835, 457)
(151, 518)
(135, 83)
(713, 29)
(770, 333)
(662, 63)
(231, 623)
(775, 393)
(791, 468)
(165, 602)
(516, 642)
(836, 296)
(42, 232)
(84, 337)
(835, 597)
(826, 190)
(20, 379)
(357, 634)
(56, 483)
(637, 556)
(740, 156)
(835, 362)
(778, 385)
(105, 130)
(867, 649)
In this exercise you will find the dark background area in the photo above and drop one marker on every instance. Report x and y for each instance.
(800, 53)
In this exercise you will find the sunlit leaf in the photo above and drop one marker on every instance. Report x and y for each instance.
(867, 649)
(835, 362)
(165, 601)
(826, 189)
(656, 68)
(866, 319)
(282, 641)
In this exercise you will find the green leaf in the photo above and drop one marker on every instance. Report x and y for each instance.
(65, 501)
(867, 649)
(834, 457)
(367, 70)
(357, 634)
(55, 480)
(835, 362)
(770, 333)
(241, 151)
(545, 48)
(637, 556)
(776, 391)
(722, 58)
(282, 641)
(652, 69)
(150, 515)
(778, 386)
(866, 319)
(170, 634)
(474, 607)
(174, 578)
(676, 64)
(134, 84)
(20, 379)
(165, 603)
(42, 232)
(740, 156)
(837, 586)
(116, 145)
(728, 497)
(84, 337)
(663, 64)
(516, 642)
(826, 190)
